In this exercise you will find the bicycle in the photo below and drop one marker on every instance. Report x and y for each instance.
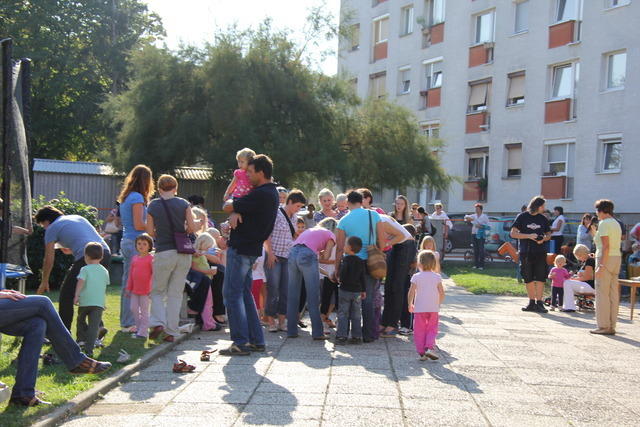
(469, 256)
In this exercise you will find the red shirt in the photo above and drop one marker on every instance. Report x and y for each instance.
(140, 275)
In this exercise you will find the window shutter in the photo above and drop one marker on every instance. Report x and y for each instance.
(516, 88)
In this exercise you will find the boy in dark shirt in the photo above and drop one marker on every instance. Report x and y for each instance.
(351, 291)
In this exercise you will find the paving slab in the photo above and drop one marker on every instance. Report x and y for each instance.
(498, 366)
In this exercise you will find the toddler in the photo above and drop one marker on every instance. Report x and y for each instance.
(425, 296)
(240, 184)
(139, 284)
(350, 293)
(558, 275)
(428, 243)
(90, 296)
(300, 226)
(341, 205)
(258, 282)
(202, 300)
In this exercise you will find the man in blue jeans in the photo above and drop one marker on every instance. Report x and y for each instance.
(365, 224)
(252, 219)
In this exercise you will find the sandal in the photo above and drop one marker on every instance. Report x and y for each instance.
(205, 356)
(90, 366)
(155, 332)
(182, 367)
(27, 401)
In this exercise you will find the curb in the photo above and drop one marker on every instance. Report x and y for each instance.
(86, 398)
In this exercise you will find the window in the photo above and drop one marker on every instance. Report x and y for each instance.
(616, 3)
(567, 10)
(407, 20)
(433, 74)
(564, 80)
(478, 163)
(556, 159)
(484, 27)
(378, 85)
(381, 30)
(516, 89)
(354, 36)
(479, 96)
(430, 130)
(514, 160)
(404, 80)
(616, 70)
(522, 16)
(435, 9)
(611, 155)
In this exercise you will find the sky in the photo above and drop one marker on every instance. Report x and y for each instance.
(196, 21)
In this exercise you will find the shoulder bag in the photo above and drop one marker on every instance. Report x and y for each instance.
(184, 245)
(376, 261)
(293, 230)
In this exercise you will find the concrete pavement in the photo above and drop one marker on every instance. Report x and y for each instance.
(499, 366)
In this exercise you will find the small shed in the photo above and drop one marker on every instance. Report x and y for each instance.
(98, 184)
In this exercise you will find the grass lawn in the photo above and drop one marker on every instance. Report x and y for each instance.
(496, 278)
(55, 381)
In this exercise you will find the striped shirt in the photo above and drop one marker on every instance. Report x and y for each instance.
(281, 239)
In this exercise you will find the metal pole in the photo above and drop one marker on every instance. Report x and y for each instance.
(7, 78)
(25, 70)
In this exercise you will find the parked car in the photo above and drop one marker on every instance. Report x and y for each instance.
(460, 234)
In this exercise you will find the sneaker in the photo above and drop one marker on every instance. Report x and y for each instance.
(272, 328)
(553, 308)
(341, 341)
(540, 307)
(423, 357)
(234, 350)
(405, 331)
(355, 341)
(257, 348)
(431, 355)
(389, 334)
(566, 310)
(531, 307)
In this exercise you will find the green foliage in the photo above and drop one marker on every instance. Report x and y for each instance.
(35, 242)
(80, 53)
(253, 89)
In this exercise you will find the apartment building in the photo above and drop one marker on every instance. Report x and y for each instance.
(529, 96)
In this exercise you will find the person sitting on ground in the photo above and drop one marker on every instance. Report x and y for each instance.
(351, 291)
(33, 317)
(558, 275)
(90, 297)
(425, 297)
(240, 185)
(582, 282)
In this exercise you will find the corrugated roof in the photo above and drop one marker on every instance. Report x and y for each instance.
(105, 169)
(80, 168)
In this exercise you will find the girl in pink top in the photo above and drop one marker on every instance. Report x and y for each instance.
(240, 185)
(425, 296)
(139, 284)
(558, 275)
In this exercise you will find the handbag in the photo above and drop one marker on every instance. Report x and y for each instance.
(184, 245)
(376, 261)
(111, 227)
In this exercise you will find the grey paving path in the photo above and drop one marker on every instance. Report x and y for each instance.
(499, 366)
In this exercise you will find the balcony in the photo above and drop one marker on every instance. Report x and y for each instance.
(477, 121)
(557, 111)
(432, 97)
(437, 33)
(380, 51)
(473, 191)
(480, 54)
(554, 187)
(562, 33)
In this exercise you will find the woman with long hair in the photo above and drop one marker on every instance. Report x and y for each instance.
(401, 210)
(134, 197)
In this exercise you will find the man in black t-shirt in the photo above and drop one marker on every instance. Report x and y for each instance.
(532, 230)
(252, 219)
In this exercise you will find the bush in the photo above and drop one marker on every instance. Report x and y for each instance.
(35, 242)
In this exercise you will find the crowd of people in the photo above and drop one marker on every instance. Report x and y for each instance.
(269, 262)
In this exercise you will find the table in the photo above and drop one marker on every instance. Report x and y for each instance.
(633, 283)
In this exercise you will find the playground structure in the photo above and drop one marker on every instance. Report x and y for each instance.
(16, 183)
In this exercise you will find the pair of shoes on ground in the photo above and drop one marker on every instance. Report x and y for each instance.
(278, 328)
(536, 307)
(245, 350)
(603, 331)
(429, 355)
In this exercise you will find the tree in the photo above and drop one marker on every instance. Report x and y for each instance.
(80, 53)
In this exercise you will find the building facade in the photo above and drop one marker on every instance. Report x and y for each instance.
(529, 96)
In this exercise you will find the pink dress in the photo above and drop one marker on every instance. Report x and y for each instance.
(243, 185)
